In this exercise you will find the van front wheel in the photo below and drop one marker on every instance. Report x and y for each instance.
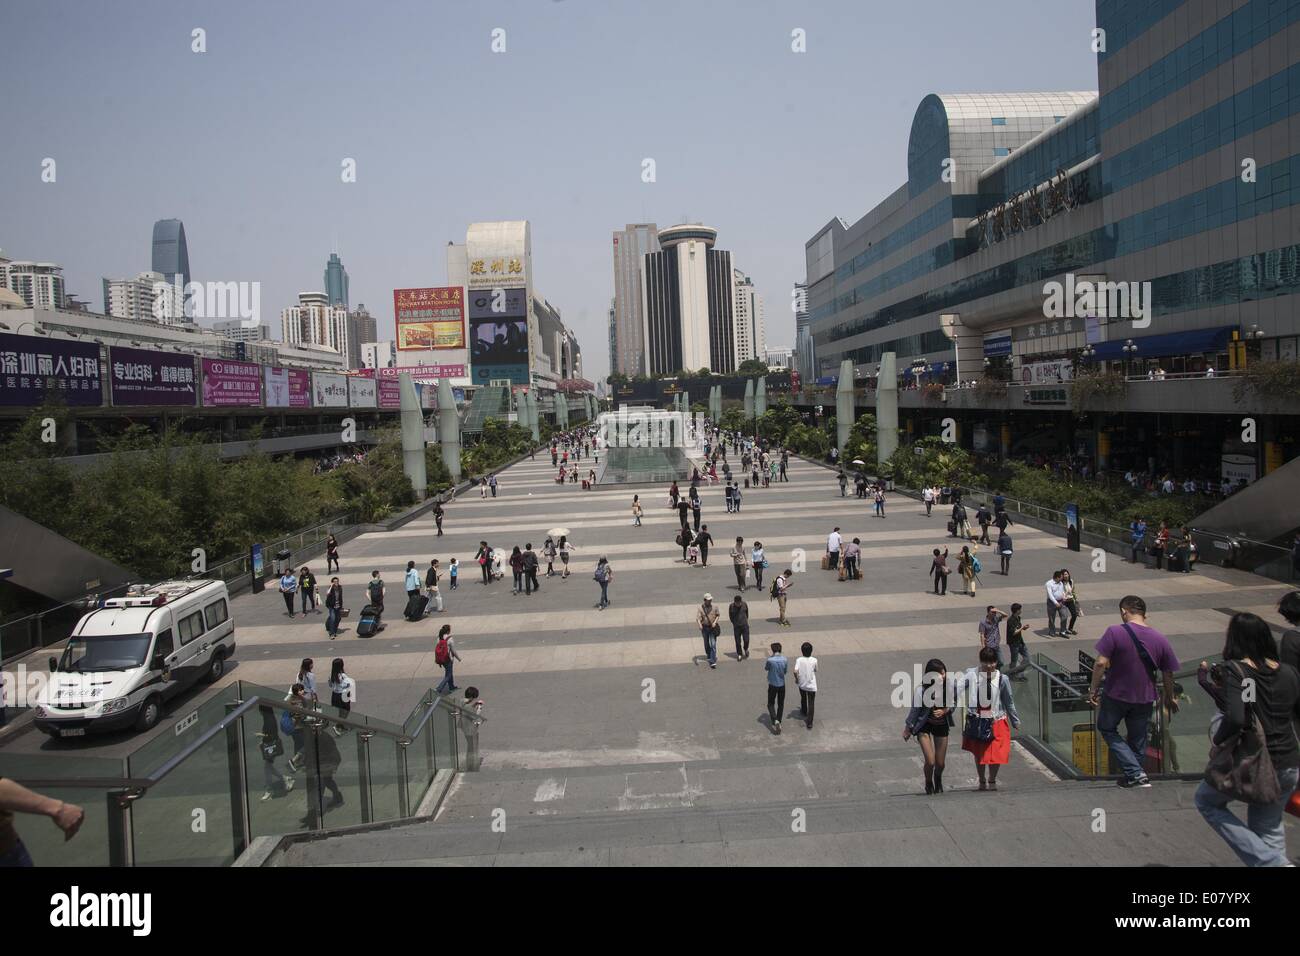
(216, 667)
(150, 714)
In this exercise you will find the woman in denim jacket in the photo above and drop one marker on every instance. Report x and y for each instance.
(989, 695)
(929, 721)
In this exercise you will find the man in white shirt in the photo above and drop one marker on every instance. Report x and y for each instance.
(805, 675)
(1055, 602)
(1168, 486)
(833, 541)
(928, 497)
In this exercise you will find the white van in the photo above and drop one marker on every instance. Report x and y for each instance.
(125, 659)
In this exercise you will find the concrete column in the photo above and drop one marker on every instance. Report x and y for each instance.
(760, 398)
(448, 427)
(521, 409)
(887, 408)
(534, 417)
(749, 401)
(413, 463)
(844, 405)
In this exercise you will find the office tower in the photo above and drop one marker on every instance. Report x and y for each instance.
(627, 332)
(336, 281)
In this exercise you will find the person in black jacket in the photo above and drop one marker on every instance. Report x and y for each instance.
(702, 541)
(738, 611)
(333, 608)
(1250, 661)
(1289, 608)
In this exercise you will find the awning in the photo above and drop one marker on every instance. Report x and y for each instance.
(1196, 342)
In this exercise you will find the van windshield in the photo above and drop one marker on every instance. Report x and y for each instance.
(116, 652)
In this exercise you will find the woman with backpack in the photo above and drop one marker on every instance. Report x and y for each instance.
(603, 576)
(1251, 659)
(343, 691)
(444, 653)
(967, 567)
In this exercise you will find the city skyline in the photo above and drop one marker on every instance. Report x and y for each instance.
(259, 212)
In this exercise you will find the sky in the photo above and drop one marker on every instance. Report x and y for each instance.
(245, 142)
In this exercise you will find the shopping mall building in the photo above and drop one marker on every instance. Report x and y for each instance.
(1171, 193)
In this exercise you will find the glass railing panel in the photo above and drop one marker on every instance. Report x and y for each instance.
(1068, 726)
(338, 761)
(188, 817)
(185, 723)
(444, 739)
(276, 793)
(44, 841)
(387, 782)
(1182, 740)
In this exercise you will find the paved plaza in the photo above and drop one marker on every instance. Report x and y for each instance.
(587, 769)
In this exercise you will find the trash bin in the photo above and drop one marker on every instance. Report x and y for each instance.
(282, 562)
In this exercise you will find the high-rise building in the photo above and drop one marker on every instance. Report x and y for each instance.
(149, 296)
(751, 337)
(803, 361)
(336, 281)
(378, 354)
(689, 302)
(362, 327)
(313, 321)
(627, 323)
(39, 283)
(171, 256)
(613, 336)
(239, 330)
(778, 357)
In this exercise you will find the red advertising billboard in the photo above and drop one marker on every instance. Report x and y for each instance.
(429, 318)
(231, 383)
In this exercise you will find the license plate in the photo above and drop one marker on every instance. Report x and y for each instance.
(73, 732)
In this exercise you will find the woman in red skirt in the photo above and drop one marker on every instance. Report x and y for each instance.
(990, 715)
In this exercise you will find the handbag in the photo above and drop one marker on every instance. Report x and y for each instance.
(977, 728)
(1241, 768)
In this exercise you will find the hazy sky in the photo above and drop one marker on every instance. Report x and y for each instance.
(244, 142)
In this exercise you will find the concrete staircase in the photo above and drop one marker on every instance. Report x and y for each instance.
(859, 808)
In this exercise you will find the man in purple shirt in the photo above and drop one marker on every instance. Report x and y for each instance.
(1129, 655)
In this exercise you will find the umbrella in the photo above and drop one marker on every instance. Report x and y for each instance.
(858, 461)
(558, 532)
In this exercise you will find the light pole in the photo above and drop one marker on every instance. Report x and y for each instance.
(1130, 350)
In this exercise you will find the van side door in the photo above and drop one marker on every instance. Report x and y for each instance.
(164, 652)
(193, 650)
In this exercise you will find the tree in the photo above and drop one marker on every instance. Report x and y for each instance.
(616, 379)
(776, 423)
(704, 373)
(753, 368)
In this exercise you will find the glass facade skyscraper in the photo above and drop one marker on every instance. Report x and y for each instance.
(336, 281)
(171, 256)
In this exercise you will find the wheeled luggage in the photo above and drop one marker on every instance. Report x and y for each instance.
(368, 623)
(415, 606)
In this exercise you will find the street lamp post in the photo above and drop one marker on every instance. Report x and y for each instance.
(1130, 352)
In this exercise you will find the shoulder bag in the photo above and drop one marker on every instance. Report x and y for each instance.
(1241, 768)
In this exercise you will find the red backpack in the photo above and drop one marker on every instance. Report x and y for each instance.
(442, 652)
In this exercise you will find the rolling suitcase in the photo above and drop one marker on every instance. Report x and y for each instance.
(952, 528)
(415, 606)
(368, 622)
(826, 562)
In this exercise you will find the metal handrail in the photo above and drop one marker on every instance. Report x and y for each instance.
(1054, 679)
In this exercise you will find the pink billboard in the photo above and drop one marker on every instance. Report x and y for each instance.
(390, 393)
(231, 383)
(288, 388)
(424, 371)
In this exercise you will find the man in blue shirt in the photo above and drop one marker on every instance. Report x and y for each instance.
(1139, 532)
(775, 667)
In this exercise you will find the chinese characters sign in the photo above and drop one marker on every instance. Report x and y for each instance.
(329, 390)
(141, 377)
(496, 271)
(231, 383)
(429, 318)
(34, 367)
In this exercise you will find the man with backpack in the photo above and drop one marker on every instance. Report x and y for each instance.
(375, 591)
(780, 587)
(530, 570)
(444, 652)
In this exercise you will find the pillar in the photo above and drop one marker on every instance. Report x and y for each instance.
(760, 398)
(448, 427)
(749, 401)
(534, 417)
(844, 404)
(887, 408)
(412, 415)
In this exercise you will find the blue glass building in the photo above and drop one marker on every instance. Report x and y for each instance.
(171, 256)
(336, 281)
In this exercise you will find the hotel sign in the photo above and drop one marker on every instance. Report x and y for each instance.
(429, 318)
(1033, 207)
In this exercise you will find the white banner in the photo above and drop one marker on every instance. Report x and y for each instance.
(362, 392)
(1047, 373)
(329, 390)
